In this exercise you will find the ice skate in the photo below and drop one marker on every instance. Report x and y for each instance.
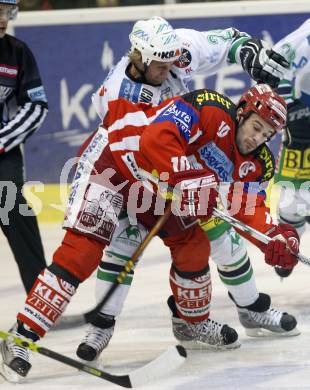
(207, 334)
(259, 319)
(96, 340)
(15, 359)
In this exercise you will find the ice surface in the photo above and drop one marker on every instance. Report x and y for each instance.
(143, 330)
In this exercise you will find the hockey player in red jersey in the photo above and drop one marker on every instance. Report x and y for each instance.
(149, 74)
(189, 146)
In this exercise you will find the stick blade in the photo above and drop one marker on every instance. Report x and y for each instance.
(168, 361)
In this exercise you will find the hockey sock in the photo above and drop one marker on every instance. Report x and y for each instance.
(239, 279)
(192, 294)
(107, 273)
(48, 298)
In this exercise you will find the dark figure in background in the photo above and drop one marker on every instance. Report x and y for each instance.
(23, 107)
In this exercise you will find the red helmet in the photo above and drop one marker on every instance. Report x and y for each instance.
(266, 103)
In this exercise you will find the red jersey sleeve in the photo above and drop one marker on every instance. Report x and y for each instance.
(167, 138)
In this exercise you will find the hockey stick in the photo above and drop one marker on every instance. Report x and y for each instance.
(252, 232)
(75, 320)
(168, 361)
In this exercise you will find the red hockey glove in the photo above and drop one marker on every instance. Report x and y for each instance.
(196, 190)
(280, 251)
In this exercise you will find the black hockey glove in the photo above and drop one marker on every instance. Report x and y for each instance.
(297, 132)
(263, 65)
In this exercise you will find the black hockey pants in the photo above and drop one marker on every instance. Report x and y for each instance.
(21, 231)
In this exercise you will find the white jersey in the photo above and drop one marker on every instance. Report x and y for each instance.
(295, 47)
(202, 52)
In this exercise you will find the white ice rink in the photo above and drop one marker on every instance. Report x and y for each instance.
(143, 331)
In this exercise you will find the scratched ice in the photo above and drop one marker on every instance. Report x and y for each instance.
(143, 330)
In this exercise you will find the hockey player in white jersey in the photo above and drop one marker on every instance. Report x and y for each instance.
(293, 162)
(159, 65)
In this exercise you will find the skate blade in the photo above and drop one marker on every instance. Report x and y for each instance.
(259, 332)
(199, 345)
(9, 374)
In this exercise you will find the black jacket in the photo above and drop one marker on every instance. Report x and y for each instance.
(23, 104)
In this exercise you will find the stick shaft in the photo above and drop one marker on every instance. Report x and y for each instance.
(252, 232)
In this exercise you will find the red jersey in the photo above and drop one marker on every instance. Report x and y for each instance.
(194, 131)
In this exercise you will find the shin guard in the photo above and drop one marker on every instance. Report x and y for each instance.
(46, 302)
(192, 294)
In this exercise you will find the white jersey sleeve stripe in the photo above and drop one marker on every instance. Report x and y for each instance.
(132, 118)
(28, 119)
(128, 143)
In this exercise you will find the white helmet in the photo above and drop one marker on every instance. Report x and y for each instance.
(156, 40)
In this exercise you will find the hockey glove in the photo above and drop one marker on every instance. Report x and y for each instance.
(297, 132)
(196, 190)
(285, 244)
(263, 65)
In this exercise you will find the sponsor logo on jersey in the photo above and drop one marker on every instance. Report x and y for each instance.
(245, 168)
(266, 158)
(9, 71)
(102, 91)
(165, 94)
(130, 161)
(298, 114)
(146, 95)
(98, 215)
(180, 114)
(223, 129)
(37, 94)
(135, 92)
(296, 164)
(130, 90)
(207, 96)
(91, 153)
(184, 60)
(131, 236)
(217, 160)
